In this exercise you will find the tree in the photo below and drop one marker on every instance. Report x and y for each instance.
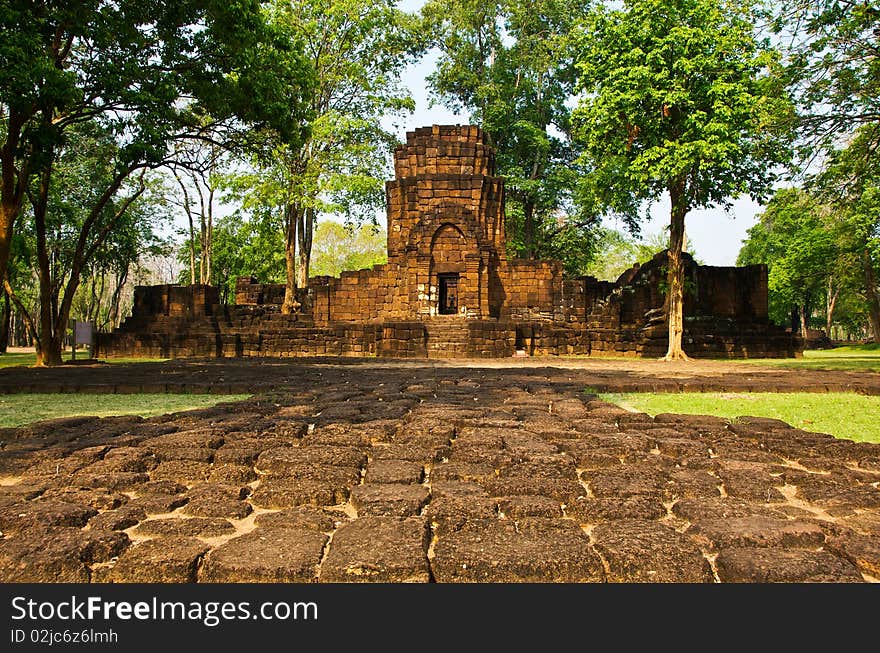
(796, 238)
(680, 97)
(510, 64)
(357, 51)
(74, 235)
(851, 182)
(340, 247)
(831, 48)
(247, 244)
(148, 73)
(197, 177)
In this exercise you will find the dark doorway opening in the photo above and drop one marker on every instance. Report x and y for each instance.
(448, 284)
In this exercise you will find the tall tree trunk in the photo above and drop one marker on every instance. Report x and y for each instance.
(529, 228)
(304, 255)
(203, 234)
(872, 295)
(192, 250)
(805, 319)
(29, 333)
(5, 318)
(50, 342)
(9, 211)
(292, 220)
(675, 274)
(831, 296)
(116, 298)
(209, 238)
(13, 181)
(192, 231)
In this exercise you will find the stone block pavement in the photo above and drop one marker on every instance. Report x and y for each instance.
(429, 473)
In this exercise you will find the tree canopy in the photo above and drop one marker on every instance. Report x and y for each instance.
(831, 63)
(795, 238)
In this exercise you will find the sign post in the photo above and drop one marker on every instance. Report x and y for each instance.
(83, 334)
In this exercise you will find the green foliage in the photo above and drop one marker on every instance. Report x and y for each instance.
(509, 64)
(341, 247)
(83, 171)
(138, 67)
(832, 67)
(822, 246)
(795, 237)
(84, 247)
(851, 182)
(677, 95)
(244, 245)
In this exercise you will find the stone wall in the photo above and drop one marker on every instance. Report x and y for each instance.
(533, 290)
(174, 301)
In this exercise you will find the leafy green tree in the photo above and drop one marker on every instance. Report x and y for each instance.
(70, 239)
(678, 96)
(340, 247)
(850, 181)
(148, 73)
(795, 237)
(247, 244)
(510, 64)
(357, 51)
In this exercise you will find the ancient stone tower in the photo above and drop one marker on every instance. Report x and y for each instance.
(446, 222)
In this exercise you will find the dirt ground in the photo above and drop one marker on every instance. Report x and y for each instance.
(244, 375)
(360, 471)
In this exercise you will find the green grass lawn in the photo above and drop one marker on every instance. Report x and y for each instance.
(28, 359)
(842, 414)
(21, 409)
(853, 358)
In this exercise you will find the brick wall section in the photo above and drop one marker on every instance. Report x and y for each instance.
(176, 301)
(534, 290)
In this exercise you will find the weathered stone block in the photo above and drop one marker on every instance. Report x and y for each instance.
(533, 550)
(380, 550)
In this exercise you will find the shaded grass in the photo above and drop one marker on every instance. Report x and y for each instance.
(21, 409)
(27, 359)
(852, 358)
(842, 414)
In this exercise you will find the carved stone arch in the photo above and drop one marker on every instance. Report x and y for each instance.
(449, 245)
(421, 236)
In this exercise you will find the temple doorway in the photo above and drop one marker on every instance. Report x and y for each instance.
(448, 294)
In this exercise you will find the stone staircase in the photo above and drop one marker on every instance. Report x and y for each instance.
(447, 338)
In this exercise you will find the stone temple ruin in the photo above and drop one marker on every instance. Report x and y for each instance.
(449, 290)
